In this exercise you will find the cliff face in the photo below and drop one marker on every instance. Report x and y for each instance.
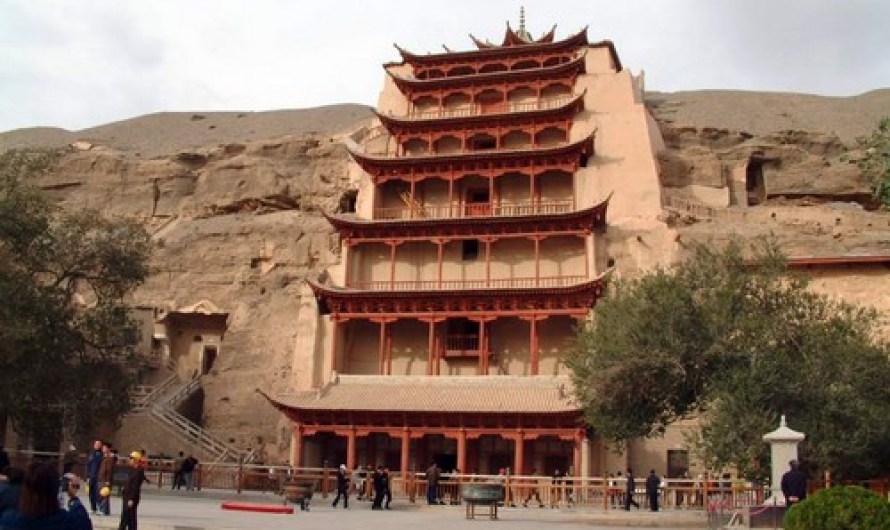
(234, 202)
(239, 224)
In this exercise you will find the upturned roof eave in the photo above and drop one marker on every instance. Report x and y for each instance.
(486, 50)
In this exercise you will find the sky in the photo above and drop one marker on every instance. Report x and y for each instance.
(79, 63)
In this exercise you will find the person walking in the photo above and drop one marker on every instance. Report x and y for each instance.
(132, 493)
(652, 484)
(342, 487)
(432, 484)
(387, 488)
(378, 478)
(177, 471)
(188, 472)
(794, 484)
(533, 491)
(631, 488)
(94, 462)
(106, 476)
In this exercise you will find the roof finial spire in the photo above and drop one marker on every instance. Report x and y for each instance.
(521, 18)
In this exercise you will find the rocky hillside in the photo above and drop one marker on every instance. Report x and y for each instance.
(234, 203)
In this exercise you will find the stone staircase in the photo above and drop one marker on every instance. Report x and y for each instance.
(159, 403)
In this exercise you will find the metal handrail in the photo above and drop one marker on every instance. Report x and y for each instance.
(477, 109)
(449, 285)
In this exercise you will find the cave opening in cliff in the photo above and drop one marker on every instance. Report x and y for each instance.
(347, 201)
(754, 185)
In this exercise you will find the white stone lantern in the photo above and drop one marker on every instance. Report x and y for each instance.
(783, 449)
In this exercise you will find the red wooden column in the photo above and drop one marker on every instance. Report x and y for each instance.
(519, 453)
(576, 454)
(350, 448)
(487, 241)
(533, 346)
(537, 240)
(440, 244)
(335, 332)
(389, 349)
(392, 259)
(297, 445)
(381, 349)
(347, 262)
(462, 450)
(406, 449)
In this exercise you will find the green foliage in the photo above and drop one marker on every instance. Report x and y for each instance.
(841, 508)
(875, 164)
(67, 340)
(729, 336)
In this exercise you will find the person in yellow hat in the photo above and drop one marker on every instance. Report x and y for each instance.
(132, 492)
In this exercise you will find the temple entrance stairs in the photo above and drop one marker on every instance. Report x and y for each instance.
(159, 403)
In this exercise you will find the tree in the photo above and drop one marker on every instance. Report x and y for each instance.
(67, 340)
(875, 162)
(730, 337)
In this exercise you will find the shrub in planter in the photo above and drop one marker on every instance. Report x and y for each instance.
(841, 508)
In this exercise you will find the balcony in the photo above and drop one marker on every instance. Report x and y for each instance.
(452, 211)
(481, 109)
(458, 345)
(458, 285)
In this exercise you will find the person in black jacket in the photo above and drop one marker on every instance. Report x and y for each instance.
(132, 492)
(342, 487)
(652, 485)
(794, 484)
(631, 488)
(380, 481)
(93, 464)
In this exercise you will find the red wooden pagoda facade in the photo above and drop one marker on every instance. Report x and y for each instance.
(470, 258)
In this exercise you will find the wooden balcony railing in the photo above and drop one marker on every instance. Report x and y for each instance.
(421, 211)
(477, 109)
(457, 285)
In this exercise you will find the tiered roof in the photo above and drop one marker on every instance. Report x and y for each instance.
(565, 156)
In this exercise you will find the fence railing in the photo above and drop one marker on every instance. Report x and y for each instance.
(452, 211)
(605, 493)
(449, 285)
(498, 108)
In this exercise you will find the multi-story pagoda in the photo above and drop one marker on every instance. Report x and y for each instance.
(476, 244)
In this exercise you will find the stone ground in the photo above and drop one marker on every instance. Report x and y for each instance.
(200, 511)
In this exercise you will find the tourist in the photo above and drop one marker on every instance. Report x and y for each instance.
(177, 471)
(533, 491)
(432, 484)
(342, 487)
(189, 465)
(38, 507)
(631, 489)
(794, 484)
(387, 487)
(556, 488)
(652, 485)
(132, 493)
(71, 485)
(358, 481)
(379, 480)
(94, 462)
(105, 478)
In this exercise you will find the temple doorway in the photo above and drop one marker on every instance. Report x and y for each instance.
(208, 357)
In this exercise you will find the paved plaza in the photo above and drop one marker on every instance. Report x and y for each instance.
(200, 511)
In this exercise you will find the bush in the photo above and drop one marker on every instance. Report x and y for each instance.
(841, 508)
